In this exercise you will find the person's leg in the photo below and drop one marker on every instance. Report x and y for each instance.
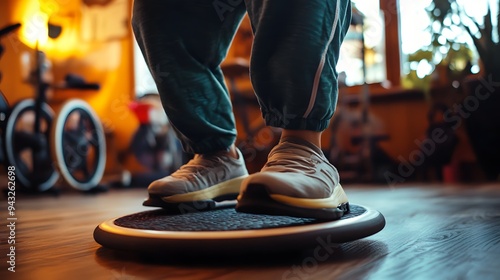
(296, 48)
(184, 43)
(293, 62)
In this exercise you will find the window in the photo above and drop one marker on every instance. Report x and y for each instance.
(368, 29)
(144, 82)
(416, 37)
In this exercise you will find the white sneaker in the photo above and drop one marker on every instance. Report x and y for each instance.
(199, 183)
(297, 180)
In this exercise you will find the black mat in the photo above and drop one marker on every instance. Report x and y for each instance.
(227, 232)
(219, 220)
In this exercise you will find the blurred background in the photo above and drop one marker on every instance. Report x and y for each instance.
(419, 96)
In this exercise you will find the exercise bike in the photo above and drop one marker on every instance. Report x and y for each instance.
(4, 105)
(44, 147)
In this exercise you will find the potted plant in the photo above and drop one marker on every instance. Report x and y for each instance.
(480, 109)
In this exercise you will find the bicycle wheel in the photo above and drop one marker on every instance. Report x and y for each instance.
(79, 145)
(4, 109)
(27, 151)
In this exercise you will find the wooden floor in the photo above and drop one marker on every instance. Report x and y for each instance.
(432, 232)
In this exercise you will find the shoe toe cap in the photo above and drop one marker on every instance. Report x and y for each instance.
(166, 187)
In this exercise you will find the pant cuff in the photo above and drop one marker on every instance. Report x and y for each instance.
(207, 146)
(296, 123)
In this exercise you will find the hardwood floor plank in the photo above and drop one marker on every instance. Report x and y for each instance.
(432, 231)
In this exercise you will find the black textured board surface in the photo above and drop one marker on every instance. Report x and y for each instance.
(218, 220)
(227, 232)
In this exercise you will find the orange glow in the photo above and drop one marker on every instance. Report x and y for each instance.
(93, 43)
(34, 23)
(35, 16)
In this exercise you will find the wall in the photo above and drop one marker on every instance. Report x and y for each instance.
(95, 42)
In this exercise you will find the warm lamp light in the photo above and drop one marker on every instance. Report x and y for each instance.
(44, 26)
(34, 30)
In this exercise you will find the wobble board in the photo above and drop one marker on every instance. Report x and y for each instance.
(225, 231)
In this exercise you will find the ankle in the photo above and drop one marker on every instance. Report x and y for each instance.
(310, 136)
(233, 152)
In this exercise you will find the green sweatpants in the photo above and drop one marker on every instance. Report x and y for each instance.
(292, 68)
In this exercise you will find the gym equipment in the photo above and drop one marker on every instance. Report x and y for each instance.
(224, 231)
(4, 108)
(79, 145)
(154, 144)
(4, 105)
(40, 147)
(26, 145)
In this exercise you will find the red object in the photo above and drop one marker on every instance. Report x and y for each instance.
(141, 110)
(451, 173)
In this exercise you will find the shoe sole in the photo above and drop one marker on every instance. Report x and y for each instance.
(256, 200)
(199, 200)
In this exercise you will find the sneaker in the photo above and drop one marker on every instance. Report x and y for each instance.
(198, 184)
(298, 181)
